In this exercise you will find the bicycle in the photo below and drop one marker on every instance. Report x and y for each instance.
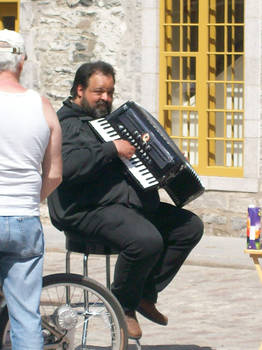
(77, 313)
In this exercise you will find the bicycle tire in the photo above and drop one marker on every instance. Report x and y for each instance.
(70, 302)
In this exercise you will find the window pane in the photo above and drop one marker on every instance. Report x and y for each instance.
(172, 42)
(219, 153)
(218, 129)
(235, 68)
(189, 91)
(234, 154)
(238, 154)
(172, 15)
(234, 98)
(190, 150)
(9, 22)
(189, 68)
(235, 37)
(193, 128)
(193, 152)
(216, 96)
(234, 125)
(236, 11)
(190, 13)
(173, 93)
(175, 123)
(190, 38)
(219, 12)
(173, 68)
(216, 67)
(238, 125)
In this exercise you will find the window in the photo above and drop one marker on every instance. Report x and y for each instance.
(9, 15)
(202, 82)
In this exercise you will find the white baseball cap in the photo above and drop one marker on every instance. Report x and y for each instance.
(11, 41)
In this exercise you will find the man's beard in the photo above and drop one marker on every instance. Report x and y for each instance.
(101, 109)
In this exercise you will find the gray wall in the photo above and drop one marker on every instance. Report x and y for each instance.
(61, 35)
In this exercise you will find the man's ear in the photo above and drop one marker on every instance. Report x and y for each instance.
(79, 90)
(20, 67)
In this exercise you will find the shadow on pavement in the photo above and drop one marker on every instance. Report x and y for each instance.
(170, 347)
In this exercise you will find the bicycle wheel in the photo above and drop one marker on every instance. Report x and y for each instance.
(78, 313)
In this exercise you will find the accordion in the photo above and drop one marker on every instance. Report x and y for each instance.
(157, 162)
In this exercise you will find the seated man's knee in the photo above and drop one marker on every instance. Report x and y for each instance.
(197, 228)
(146, 247)
(154, 245)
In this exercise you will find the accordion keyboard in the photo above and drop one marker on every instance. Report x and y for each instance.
(134, 165)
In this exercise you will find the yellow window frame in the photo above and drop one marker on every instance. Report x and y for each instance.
(10, 8)
(205, 87)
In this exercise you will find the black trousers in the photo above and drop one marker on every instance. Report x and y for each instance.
(152, 247)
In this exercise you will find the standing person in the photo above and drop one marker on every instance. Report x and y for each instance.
(98, 201)
(30, 169)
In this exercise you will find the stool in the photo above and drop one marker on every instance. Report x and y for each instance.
(78, 244)
(75, 243)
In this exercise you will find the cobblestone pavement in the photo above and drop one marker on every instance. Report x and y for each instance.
(214, 303)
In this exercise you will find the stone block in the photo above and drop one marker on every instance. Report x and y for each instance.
(238, 223)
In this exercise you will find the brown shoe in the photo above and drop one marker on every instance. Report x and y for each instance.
(148, 310)
(133, 328)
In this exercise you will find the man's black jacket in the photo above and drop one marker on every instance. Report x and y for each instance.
(93, 175)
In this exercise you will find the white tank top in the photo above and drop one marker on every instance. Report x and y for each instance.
(24, 136)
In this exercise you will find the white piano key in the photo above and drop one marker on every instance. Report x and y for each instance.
(99, 125)
(135, 171)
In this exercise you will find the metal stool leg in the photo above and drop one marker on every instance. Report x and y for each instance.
(68, 253)
(85, 265)
(108, 276)
(108, 284)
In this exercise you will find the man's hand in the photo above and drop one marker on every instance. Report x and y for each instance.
(124, 148)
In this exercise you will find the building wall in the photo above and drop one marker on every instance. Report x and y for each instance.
(63, 34)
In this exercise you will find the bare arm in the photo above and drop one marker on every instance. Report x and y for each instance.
(52, 162)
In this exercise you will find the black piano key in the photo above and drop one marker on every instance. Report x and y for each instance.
(135, 161)
(103, 122)
(152, 181)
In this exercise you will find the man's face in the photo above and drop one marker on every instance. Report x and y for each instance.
(97, 98)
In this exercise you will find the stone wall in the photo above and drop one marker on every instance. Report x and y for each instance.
(61, 35)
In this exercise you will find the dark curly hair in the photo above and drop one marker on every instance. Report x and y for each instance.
(85, 71)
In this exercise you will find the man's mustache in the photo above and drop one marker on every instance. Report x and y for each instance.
(103, 104)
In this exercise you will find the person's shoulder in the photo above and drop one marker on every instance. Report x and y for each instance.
(46, 102)
(49, 113)
(47, 105)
